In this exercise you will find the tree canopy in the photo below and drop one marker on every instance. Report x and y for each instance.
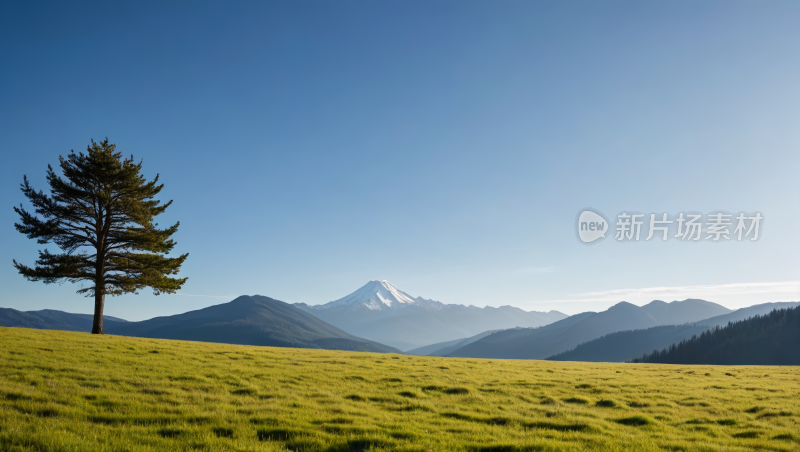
(770, 339)
(100, 214)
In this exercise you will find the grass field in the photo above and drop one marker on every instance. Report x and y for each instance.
(62, 391)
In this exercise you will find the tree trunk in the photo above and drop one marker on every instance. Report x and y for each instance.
(99, 300)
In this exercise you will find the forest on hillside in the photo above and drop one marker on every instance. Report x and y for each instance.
(771, 339)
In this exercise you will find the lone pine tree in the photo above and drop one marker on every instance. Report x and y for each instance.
(100, 214)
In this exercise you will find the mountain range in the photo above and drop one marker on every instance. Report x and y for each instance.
(625, 345)
(769, 339)
(381, 312)
(566, 334)
(247, 320)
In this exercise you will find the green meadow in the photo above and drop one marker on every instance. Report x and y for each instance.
(63, 391)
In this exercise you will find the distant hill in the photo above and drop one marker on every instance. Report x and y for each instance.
(427, 349)
(623, 345)
(744, 313)
(250, 320)
(247, 320)
(445, 348)
(566, 334)
(772, 340)
(381, 312)
(49, 319)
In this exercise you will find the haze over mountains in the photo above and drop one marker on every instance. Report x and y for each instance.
(381, 312)
(628, 344)
(247, 320)
(379, 317)
(445, 348)
(566, 334)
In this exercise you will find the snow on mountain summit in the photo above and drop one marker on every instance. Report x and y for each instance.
(376, 296)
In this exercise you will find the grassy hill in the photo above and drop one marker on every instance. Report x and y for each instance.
(66, 391)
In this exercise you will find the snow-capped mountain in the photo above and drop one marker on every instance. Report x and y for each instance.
(381, 312)
(380, 296)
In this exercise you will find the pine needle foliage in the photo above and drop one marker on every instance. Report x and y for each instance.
(101, 215)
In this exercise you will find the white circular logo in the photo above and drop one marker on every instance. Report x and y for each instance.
(591, 226)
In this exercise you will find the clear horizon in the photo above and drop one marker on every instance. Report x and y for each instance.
(600, 300)
(446, 147)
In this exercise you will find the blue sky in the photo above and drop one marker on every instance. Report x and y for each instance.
(444, 146)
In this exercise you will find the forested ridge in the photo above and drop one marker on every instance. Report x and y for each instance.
(771, 339)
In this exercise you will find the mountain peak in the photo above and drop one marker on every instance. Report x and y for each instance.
(376, 295)
(622, 305)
